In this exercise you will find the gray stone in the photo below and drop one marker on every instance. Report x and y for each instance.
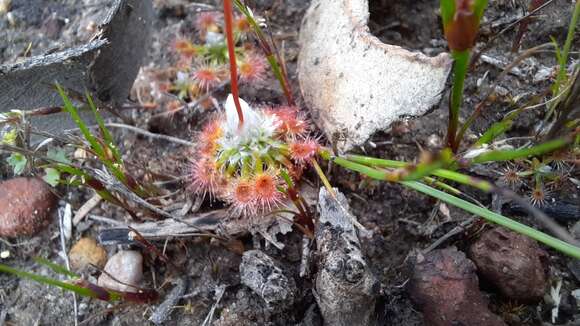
(262, 274)
(125, 266)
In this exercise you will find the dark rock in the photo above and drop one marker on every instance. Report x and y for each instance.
(26, 206)
(445, 287)
(513, 263)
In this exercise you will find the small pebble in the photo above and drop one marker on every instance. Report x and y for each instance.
(5, 6)
(434, 141)
(85, 252)
(26, 206)
(127, 267)
(513, 263)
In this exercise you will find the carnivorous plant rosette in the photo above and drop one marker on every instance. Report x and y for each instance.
(249, 164)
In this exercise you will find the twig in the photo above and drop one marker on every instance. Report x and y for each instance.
(219, 293)
(112, 184)
(86, 208)
(105, 220)
(163, 311)
(61, 218)
(204, 224)
(456, 230)
(510, 26)
(150, 134)
(192, 105)
(201, 5)
(36, 112)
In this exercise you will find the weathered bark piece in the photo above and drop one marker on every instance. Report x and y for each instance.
(105, 66)
(215, 221)
(346, 290)
(163, 311)
(264, 276)
(513, 263)
(356, 85)
(445, 287)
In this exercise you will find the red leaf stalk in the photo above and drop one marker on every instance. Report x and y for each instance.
(229, 20)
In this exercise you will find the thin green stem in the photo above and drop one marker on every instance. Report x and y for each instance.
(460, 67)
(507, 155)
(322, 177)
(567, 46)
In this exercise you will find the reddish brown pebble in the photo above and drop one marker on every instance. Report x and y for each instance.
(445, 287)
(26, 206)
(513, 263)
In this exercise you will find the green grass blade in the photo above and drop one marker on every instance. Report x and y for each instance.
(507, 155)
(490, 216)
(467, 206)
(104, 131)
(563, 59)
(497, 129)
(460, 68)
(376, 161)
(479, 8)
(72, 111)
(447, 8)
(49, 281)
(55, 267)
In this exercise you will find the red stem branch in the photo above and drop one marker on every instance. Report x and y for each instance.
(229, 20)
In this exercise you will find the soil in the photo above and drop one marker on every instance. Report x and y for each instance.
(400, 220)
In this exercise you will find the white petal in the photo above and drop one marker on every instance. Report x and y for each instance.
(250, 117)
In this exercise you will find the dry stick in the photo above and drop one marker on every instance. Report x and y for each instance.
(456, 230)
(510, 26)
(192, 105)
(65, 256)
(86, 208)
(150, 134)
(36, 112)
(112, 184)
(219, 293)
